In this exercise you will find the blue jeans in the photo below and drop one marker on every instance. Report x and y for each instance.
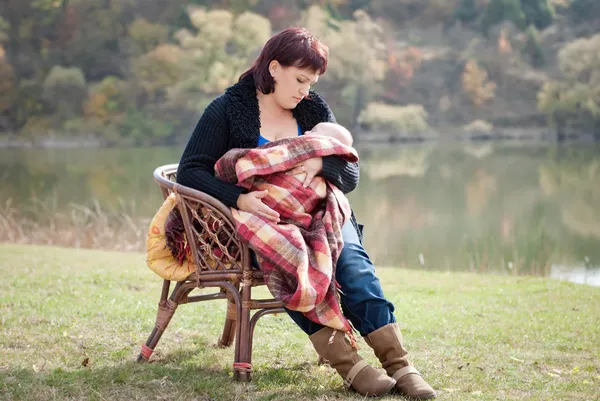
(363, 302)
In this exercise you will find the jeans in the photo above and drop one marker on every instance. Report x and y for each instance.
(362, 299)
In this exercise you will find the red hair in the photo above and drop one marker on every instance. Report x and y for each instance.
(291, 47)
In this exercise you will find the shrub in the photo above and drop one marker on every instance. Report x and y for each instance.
(399, 119)
(478, 127)
(65, 88)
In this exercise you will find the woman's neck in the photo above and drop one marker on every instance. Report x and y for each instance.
(269, 107)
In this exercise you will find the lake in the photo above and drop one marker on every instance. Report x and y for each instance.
(510, 208)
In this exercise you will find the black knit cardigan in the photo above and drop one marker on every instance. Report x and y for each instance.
(232, 120)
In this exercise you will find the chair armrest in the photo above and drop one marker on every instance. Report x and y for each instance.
(216, 245)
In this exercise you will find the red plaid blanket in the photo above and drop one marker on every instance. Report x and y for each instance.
(299, 254)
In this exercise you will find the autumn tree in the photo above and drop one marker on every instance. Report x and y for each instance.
(356, 77)
(156, 71)
(576, 97)
(215, 56)
(476, 84)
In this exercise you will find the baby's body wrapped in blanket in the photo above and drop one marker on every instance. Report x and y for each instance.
(297, 255)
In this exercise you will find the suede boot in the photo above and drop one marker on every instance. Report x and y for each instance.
(387, 344)
(355, 371)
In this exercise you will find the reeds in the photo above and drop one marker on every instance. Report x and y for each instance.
(43, 222)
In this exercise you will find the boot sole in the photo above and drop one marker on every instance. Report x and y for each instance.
(418, 397)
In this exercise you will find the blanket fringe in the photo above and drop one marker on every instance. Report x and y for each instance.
(350, 336)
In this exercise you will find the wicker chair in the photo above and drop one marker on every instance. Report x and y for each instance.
(223, 262)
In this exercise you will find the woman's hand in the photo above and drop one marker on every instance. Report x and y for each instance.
(252, 203)
(311, 167)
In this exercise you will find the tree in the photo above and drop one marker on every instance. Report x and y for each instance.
(65, 89)
(146, 35)
(214, 57)
(476, 84)
(585, 10)
(575, 98)
(105, 99)
(156, 71)
(466, 11)
(538, 12)
(356, 78)
(7, 91)
(498, 11)
(533, 48)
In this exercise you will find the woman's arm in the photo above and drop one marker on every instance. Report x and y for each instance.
(207, 144)
(342, 174)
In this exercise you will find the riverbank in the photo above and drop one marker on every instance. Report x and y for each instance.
(72, 322)
(55, 141)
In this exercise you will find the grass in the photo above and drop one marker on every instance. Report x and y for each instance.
(72, 320)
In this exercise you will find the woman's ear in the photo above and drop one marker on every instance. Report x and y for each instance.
(274, 67)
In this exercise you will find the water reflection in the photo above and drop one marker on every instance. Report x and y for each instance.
(577, 274)
(508, 208)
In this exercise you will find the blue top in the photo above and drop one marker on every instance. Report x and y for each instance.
(262, 140)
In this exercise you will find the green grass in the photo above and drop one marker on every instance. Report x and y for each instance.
(473, 337)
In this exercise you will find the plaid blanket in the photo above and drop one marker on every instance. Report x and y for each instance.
(297, 255)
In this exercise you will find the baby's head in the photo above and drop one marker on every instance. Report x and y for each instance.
(333, 131)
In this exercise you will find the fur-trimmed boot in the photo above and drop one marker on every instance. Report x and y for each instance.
(355, 371)
(387, 344)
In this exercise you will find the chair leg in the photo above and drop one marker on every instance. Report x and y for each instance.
(229, 329)
(166, 310)
(243, 361)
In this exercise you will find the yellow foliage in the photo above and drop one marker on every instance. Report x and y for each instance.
(476, 84)
(213, 58)
(346, 39)
(158, 69)
(94, 106)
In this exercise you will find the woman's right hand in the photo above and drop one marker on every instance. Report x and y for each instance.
(252, 203)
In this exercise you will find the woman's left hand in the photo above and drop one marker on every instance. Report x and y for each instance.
(311, 167)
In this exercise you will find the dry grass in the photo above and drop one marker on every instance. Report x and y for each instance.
(42, 222)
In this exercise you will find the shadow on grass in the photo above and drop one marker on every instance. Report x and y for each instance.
(178, 375)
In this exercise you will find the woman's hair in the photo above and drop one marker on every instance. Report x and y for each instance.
(291, 47)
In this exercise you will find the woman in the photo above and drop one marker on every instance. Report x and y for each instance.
(272, 101)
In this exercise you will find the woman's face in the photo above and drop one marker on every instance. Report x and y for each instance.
(291, 84)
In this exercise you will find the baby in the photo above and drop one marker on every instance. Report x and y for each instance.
(332, 130)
